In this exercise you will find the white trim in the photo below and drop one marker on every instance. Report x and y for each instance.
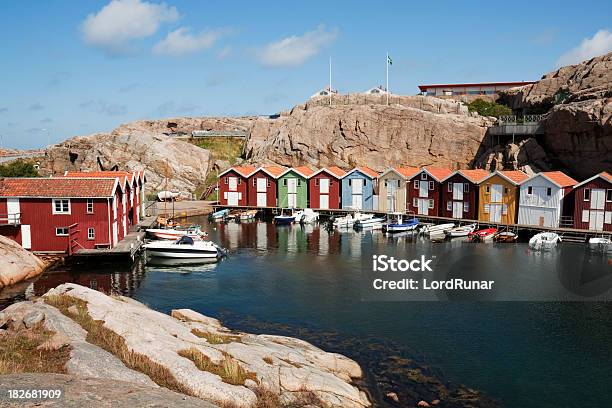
(547, 178)
(504, 177)
(295, 171)
(360, 171)
(391, 169)
(55, 212)
(324, 169)
(591, 179)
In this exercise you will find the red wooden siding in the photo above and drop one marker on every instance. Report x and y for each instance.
(240, 188)
(314, 190)
(580, 204)
(270, 189)
(471, 197)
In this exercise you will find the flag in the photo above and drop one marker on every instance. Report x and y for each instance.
(389, 60)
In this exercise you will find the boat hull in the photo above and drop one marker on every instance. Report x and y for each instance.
(400, 227)
(284, 220)
(182, 254)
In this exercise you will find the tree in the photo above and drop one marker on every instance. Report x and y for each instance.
(486, 108)
(18, 168)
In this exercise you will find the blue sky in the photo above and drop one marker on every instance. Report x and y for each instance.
(79, 67)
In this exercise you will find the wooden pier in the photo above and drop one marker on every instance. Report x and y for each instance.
(567, 234)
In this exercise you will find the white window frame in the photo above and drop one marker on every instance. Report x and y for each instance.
(608, 194)
(90, 204)
(91, 233)
(416, 184)
(431, 185)
(226, 180)
(254, 181)
(431, 203)
(585, 215)
(466, 207)
(316, 182)
(450, 187)
(449, 206)
(587, 192)
(415, 202)
(549, 191)
(62, 234)
(268, 183)
(61, 212)
(423, 176)
(466, 187)
(529, 190)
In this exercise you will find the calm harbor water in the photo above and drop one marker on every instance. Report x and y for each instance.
(545, 354)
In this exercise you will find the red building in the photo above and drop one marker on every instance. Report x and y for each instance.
(233, 185)
(262, 186)
(424, 190)
(61, 214)
(324, 188)
(593, 203)
(460, 194)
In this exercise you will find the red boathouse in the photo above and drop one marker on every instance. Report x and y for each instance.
(424, 190)
(233, 185)
(593, 203)
(324, 188)
(262, 186)
(61, 215)
(460, 194)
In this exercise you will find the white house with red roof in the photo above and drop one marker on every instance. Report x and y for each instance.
(543, 198)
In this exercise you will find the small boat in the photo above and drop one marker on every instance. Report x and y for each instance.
(167, 196)
(219, 215)
(193, 232)
(184, 247)
(436, 229)
(287, 216)
(483, 235)
(374, 223)
(461, 231)
(600, 244)
(306, 216)
(349, 220)
(544, 241)
(505, 236)
(247, 215)
(397, 223)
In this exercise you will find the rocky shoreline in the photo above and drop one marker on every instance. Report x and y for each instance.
(186, 352)
(17, 264)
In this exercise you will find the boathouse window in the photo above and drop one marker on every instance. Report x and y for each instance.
(299, 182)
(585, 215)
(269, 184)
(587, 194)
(423, 176)
(431, 203)
(226, 180)
(239, 181)
(449, 206)
(529, 190)
(254, 182)
(506, 190)
(466, 207)
(316, 182)
(90, 206)
(61, 232)
(91, 233)
(431, 185)
(61, 206)
(466, 187)
(548, 191)
(416, 184)
(487, 208)
(487, 189)
(415, 202)
(608, 195)
(398, 184)
(285, 182)
(450, 187)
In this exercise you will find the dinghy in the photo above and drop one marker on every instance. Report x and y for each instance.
(193, 232)
(306, 216)
(461, 231)
(544, 241)
(373, 223)
(600, 244)
(397, 222)
(286, 217)
(219, 215)
(247, 215)
(184, 247)
(349, 219)
(505, 237)
(483, 235)
(437, 229)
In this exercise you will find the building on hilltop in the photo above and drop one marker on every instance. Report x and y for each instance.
(469, 89)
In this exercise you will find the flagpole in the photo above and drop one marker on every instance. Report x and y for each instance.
(330, 83)
(387, 66)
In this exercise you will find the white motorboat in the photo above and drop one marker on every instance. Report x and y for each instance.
(374, 223)
(349, 220)
(461, 231)
(219, 215)
(397, 222)
(306, 216)
(440, 228)
(194, 232)
(185, 248)
(247, 215)
(544, 241)
(600, 244)
(167, 196)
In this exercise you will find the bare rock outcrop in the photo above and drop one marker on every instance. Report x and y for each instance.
(526, 155)
(578, 124)
(194, 352)
(17, 264)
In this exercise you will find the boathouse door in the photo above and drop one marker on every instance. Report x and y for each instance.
(26, 237)
(115, 234)
(457, 191)
(291, 192)
(496, 212)
(423, 189)
(357, 193)
(596, 220)
(233, 197)
(457, 209)
(262, 184)
(423, 206)
(324, 201)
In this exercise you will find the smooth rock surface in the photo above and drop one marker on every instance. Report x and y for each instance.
(16, 263)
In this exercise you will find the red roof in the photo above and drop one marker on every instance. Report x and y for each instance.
(606, 175)
(275, 171)
(515, 176)
(123, 175)
(559, 178)
(424, 88)
(58, 187)
(244, 171)
(407, 172)
(304, 171)
(367, 171)
(475, 176)
(438, 173)
(334, 171)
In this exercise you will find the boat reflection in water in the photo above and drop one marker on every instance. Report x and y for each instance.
(175, 264)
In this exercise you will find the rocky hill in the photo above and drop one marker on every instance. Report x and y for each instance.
(578, 125)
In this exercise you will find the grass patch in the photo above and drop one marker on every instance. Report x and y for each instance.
(230, 371)
(269, 399)
(267, 360)
(19, 352)
(222, 148)
(214, 338)
(110, 341)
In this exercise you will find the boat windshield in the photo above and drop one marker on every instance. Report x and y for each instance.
(185, 240)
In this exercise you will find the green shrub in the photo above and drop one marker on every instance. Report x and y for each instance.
(486, 108)
(18, 168)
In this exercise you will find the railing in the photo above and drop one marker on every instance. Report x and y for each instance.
(566, 221)
(523, 120)
(10, 219)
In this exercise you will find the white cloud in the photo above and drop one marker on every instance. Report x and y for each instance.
(120, 21)
(600, 43)
(295, 50)
(181, 41)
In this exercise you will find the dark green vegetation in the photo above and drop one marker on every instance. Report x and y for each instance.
(221, 148)
(18, 168)
(486, 108)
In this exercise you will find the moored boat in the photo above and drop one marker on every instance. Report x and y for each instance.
(306, 216)
(247, 215)
(439, 228)
(193, 232)
(397, 222)
(349, 219)
(483, 235)
(286, 217)
(461, 231)
(600, 244)
(374, 223)
(219, 215)
(544, 241)
(184, 247)
(505, 236)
